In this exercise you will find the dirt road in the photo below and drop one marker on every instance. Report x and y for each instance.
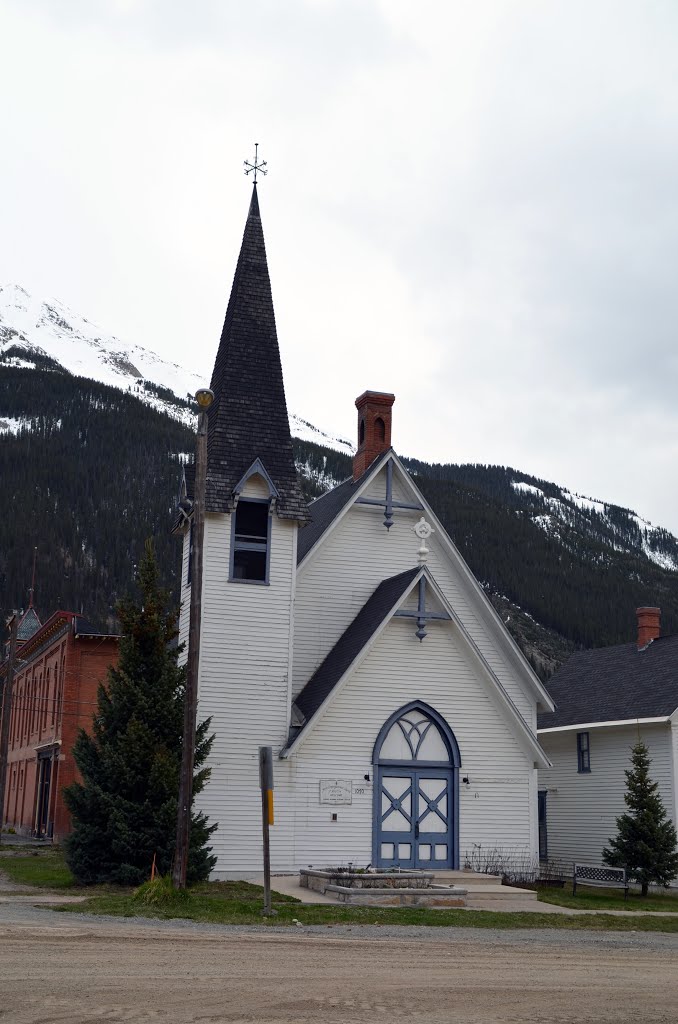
(54, 969)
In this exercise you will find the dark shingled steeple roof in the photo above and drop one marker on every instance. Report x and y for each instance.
(248, 418)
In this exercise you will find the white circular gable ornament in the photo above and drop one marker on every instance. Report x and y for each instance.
(423, 531)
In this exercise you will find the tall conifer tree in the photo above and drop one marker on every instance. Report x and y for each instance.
(125, 809)
(645, 843)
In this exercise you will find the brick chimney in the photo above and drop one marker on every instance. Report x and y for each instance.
(648, 625)
(374, 428)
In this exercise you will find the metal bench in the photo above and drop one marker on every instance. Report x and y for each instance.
(609, 878)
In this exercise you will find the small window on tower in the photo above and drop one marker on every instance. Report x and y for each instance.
(251, 541)
(379, 430)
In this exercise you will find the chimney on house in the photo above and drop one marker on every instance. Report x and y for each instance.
(648, 625)
(374, 428)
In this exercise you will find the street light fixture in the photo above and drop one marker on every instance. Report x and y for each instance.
(204, 397)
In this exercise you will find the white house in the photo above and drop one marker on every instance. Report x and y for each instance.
(350, 636)
(606, 699)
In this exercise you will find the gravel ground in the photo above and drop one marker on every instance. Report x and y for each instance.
(78, 969)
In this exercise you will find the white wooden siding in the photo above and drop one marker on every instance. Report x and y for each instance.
(249, 633)
(582, 808)
(243, 683)
(497, 809)
(350, 563)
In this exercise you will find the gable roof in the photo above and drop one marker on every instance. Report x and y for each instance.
(326, 516)
(248, 417)
(353, 640)
(29, 624)
(615, 684)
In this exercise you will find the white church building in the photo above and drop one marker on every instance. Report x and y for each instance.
(350, 636)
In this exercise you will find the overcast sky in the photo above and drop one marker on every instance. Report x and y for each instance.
(471, 204)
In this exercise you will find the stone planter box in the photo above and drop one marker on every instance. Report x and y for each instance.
(319, 881)
(432, 896)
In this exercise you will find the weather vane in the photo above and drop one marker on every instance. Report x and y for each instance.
(256, 166)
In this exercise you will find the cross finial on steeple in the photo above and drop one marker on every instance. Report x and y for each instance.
(256, 166)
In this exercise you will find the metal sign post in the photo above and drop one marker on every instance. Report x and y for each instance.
(266, 784)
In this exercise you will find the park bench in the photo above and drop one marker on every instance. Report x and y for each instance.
(591, 874)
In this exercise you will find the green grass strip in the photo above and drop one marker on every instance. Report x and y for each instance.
(201, 906)
(608, 899)
(44, 868)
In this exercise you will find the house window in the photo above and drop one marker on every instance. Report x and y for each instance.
(251, 541)
(583, 752)
(543, 835)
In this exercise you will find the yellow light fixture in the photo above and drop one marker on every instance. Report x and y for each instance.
(204, 397)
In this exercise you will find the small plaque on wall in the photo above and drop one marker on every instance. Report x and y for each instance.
(336, 791)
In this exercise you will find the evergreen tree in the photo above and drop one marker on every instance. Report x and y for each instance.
(646, 840)
(125, 809)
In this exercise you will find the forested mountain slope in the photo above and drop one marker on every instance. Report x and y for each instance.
(89, 471)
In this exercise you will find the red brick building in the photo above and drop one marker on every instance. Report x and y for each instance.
(59, 665)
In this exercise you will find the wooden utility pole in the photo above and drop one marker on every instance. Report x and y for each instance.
(7, 713)
(204, 399)
(266, 784)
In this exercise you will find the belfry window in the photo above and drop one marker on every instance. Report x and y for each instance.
(251, 541)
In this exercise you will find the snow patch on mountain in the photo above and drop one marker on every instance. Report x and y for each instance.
(646, 537)
(305, 431)
(11, 425)
(34, 330)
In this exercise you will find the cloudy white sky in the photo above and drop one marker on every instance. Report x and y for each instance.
(472, 204)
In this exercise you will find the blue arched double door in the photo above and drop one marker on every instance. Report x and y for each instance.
(416, 775)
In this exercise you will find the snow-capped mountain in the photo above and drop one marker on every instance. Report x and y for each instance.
(34, 330)
(47, 334)
(560, 511)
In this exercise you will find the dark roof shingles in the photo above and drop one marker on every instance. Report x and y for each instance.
(248, 418)
(325, 509)
(611, 684)
(28, 625)
(351, 642)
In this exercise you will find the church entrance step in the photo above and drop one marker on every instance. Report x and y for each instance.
(482, 888)
(469, 879)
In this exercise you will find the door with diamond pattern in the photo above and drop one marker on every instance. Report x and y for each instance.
(414, 829)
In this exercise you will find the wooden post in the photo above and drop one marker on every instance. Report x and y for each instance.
(191, 698)
(7, 713)
(266, 783)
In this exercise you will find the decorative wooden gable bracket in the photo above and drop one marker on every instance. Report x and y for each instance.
(256, 469)
(388, 504)
(422, 615)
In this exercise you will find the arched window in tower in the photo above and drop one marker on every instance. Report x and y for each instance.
(379, 430)
(361, 432)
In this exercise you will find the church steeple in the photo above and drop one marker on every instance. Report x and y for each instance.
(248, 418)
